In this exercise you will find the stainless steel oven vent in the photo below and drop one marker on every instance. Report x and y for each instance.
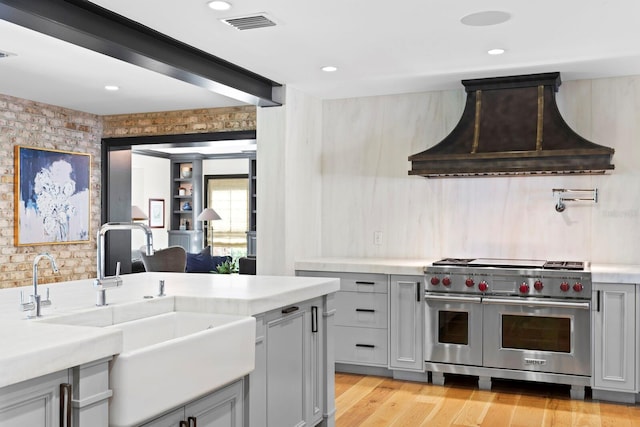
(251, 22)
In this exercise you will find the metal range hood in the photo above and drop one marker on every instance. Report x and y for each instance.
(512, 126)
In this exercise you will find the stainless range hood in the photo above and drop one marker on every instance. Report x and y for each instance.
(512, 126)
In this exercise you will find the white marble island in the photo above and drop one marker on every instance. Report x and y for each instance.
(36, 348)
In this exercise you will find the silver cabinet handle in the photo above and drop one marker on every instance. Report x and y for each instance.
(446, 298)
(537, 303)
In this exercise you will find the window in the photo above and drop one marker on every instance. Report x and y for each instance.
(228, 195)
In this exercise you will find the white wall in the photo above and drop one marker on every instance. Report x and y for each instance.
(289, 183)
(225, 167)
(365, 187)
(150, 180)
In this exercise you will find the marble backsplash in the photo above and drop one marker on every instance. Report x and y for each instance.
(365, 187)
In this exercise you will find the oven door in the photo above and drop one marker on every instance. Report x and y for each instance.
(537, 335)
(453, 332)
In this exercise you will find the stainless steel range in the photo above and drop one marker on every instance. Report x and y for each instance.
(509, 318)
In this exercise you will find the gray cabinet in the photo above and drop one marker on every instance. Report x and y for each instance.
(406, 322)
(289, 385)
(33, 403)
(361, 332)
(614, 338)
(83, 391)
(222, 408)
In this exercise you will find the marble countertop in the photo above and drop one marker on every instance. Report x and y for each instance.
(31, 348)
(410, 266)
(600, 273)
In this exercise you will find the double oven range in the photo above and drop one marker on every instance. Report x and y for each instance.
(506, 318)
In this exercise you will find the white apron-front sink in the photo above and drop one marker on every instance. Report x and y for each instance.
(173, 358)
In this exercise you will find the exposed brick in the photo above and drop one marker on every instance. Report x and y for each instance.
(33, 124)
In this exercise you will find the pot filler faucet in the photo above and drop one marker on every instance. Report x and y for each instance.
(102, 283)
(35, 304)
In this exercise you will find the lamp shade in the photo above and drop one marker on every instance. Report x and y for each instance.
(208, 214)
(137, 214)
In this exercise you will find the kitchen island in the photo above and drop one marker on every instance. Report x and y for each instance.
(281, 306)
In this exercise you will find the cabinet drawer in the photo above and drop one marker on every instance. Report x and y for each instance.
(362, 282)
(365, 346)
(353, 282)
(361, 309)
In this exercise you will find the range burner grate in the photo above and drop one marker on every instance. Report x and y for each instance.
(564, 265)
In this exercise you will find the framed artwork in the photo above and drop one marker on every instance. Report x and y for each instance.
(52, 196)
(156, 213)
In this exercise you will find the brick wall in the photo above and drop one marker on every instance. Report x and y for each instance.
(33, 124)
(180, 122)
(28, 123)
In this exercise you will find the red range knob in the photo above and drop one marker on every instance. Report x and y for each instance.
(578, 287)
(446, 281)
(538, 285)
(564, 286)
(524, 288)
(482, 286)
(435, 280)
(469, 283)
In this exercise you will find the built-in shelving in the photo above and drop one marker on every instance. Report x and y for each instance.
(186, 191)
(253, 207)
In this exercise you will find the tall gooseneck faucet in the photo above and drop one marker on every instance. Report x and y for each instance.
(102, 282)
(34, 306)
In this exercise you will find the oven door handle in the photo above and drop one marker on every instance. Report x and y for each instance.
(537, 303)
(450, 298)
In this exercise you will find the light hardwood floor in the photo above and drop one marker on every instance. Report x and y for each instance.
(384, 402)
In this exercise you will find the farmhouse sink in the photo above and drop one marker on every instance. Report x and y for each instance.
(171, 358)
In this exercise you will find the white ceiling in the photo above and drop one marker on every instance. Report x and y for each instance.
(380, 47)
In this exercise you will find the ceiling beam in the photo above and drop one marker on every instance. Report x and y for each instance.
(95, 28)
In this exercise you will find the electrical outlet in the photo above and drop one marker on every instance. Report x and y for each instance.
(377, 237)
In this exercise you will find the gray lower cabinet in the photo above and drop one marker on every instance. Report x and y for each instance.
(614, 342)
(34, 403)
(289, 386)
(83, 391)
(222, 408)
(362, 315)
(406, 325)
(190, 240)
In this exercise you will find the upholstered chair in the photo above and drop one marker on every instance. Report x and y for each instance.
(173, 258)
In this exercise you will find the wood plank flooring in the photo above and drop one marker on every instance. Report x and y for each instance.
(384, 402)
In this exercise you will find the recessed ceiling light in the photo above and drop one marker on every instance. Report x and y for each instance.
(329, 68)
(111, 88)
(486, 18)
(497, 51)
(219, 5)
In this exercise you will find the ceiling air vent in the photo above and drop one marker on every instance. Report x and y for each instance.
(250, 22)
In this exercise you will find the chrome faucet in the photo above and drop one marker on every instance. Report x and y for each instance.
(36, 302)
(102, 282)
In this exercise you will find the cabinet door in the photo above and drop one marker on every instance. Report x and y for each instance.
(614, 337)
(172, 419)
(315, 373)
(33, 403)
(286, 367)
(406, 323)
(224, 408)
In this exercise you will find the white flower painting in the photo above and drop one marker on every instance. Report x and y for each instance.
(52, 201)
